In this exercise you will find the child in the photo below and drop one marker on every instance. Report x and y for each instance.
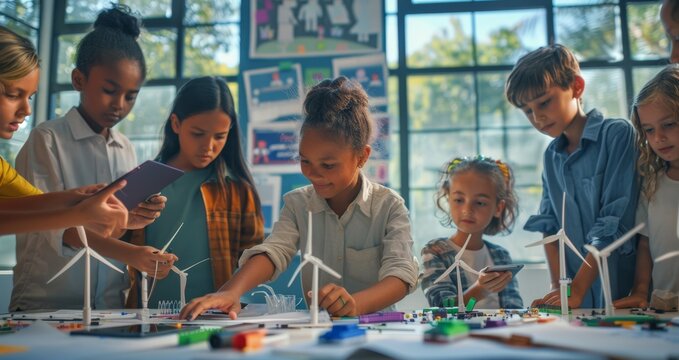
(669, 16)
(480, 198)
(361, 229)
(591, 159)
(655, 120)
(20, 202)
(79, 149)
(215, 199)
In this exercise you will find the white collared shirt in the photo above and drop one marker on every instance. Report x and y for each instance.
(63, 154)
(370, 241)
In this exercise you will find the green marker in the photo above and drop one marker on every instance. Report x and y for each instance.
(196, 336)
(471, 303)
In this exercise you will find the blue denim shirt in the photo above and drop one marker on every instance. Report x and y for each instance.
(602, 190)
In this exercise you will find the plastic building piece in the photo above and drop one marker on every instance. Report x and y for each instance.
(447, 331)
(343, 334)
(380, 317)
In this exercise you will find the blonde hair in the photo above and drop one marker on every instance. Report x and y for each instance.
(662, 88)
(537, 71)
(18, 57)
(498, 172)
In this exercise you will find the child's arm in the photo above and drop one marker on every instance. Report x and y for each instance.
(142, 258)
(581, 283)
(339, 302)
(257, 265)
(642, 278)
(434, 266)
(258, 269)
(552, 255)
(101, 212)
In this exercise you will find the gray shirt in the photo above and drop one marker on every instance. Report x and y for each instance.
(370, 241)
(63, 154)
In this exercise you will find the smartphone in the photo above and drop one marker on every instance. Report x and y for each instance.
(134, 331)
(513, 268)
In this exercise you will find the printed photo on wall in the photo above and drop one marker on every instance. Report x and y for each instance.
(297, 28)
(273, 148)
(269, 189)
(274, 94)
(370, 71)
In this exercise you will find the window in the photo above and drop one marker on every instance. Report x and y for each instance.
(180, 39)
(448, 62)
(23, 17)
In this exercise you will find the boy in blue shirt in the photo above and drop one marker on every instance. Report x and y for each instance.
(592, 160)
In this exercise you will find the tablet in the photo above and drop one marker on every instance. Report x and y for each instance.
(133, 331)
(513, 268)
(144, 181)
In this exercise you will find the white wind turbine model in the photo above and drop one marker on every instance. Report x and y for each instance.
(601, 257)
(162, 251)
(317, 263)
(564, 280)
(87, 251)
(456, 265)
(182, 280)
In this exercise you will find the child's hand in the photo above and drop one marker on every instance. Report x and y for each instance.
(102, 212)
(144, 258)
(494, 282)
(554, 298)
(146, 212)
(636, 299)
(226, 301)
(87, 189)
(336, 300)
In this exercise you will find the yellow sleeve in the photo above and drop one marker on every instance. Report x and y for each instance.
(12, 184)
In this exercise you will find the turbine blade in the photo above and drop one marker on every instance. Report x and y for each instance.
(568, 242)
(546, 240)
(82, 235)
(446, 273)
(162, 251)
(294, 275)
(617, 243)
(202, 261)
(68, 265)
(592, 250)
(468, 268)
(459, 254)
(104, 261)
(667, 256)
(310, 237)
(316, 261)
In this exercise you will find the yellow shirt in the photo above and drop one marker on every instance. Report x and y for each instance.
(12, 184)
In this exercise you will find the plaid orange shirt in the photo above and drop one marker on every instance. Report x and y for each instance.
(233, 225)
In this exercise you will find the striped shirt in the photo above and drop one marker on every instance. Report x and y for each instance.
(439, 254)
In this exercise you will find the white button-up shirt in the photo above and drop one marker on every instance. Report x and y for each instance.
(370, 241)
(63, 154)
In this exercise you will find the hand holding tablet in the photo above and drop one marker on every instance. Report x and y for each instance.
(145, 181)
(513, 268)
